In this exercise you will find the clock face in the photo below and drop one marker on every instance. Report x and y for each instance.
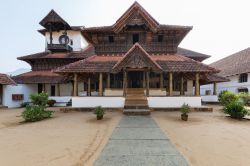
(64, 39)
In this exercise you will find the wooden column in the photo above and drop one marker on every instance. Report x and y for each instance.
(197, 84)
(44, 88)
(58, 90)
(108, 80)
(75, 85)
(124, 82)
(147, 83)
(182, 86)
(100, 84)
(215, 89)
(170, 84)
(1, 94)
(161, 81)
(89, 87)
(144, 80)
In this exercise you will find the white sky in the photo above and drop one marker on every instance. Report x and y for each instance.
(220, 27)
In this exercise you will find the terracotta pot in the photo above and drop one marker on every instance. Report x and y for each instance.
(99, 117)
(184, 117)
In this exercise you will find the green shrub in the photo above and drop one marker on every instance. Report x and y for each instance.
(235, 109)
(34, 113)
(226, 97)
(39, 99)
(24, 104)
(99, 111)
(244, 97)
(51, 103)
(185, 109)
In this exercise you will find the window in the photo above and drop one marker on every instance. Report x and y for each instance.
(243, 77)
(40, 88)
(135, 38)
(52, 90)
(208, 92)
(245, 90)
(160, 38)
(71, 42)
(111, 39)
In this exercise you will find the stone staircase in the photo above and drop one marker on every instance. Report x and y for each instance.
(136, 102)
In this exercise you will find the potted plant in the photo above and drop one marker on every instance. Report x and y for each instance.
(185, 109)
(99, 111)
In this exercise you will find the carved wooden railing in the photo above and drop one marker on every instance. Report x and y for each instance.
(59, 47)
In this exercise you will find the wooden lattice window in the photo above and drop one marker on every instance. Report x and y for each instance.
(243, 77)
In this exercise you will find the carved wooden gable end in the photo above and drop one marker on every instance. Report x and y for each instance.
(136, 58)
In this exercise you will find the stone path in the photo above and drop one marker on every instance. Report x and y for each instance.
(138, 141)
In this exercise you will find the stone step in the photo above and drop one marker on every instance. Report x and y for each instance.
(136, 106)
(136, 111)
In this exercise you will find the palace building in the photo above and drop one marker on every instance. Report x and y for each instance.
(136, 56)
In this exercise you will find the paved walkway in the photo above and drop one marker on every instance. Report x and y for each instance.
(138, 141)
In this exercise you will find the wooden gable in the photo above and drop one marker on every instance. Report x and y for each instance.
(136, 15)
(136, 58)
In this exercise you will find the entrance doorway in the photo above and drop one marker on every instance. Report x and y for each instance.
(135, 79)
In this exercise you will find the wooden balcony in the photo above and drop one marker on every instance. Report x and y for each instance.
(59, 47)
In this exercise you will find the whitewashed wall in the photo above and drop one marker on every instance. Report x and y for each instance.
(173, 102)
(210, 98)
(79, 42)
(25, 89)
(61, 100)
(91, 102)
(232, 85)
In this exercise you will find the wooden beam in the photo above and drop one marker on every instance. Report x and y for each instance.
(170, 84)
(125, 82)
(144, 80)
(215, 88)
(89, 87)
(182, 86)
(147, 83)
(75, 85)
(161, 81)
(100, 84)
(108, 80)
(58, 90)
(197, 84)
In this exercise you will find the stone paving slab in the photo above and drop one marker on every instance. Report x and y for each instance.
(134, 122)
(142, 161)
(139, 147)
(138, 133)
(138, 141)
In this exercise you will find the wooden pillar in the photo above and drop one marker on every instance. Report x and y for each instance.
(147, 83)
(182, 86)
(58, 90)
(197, 84)
(44, 88)
(89, 87)
(144, 80)
(75, 85)
(161, 81)
(100, 84)
(124, 82)
(1, 94)
(215, 89)
(108, 80)
(170, 84)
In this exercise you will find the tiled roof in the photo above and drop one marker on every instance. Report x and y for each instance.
(234, 64)
(167, 62)
(192, 54)
(88, 51)
(6, 80)
(34, 77)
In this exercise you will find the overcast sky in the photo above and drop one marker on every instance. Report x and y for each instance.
(220, 27)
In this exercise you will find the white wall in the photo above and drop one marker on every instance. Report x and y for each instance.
(61, 100)
(232, 85)
(91, 102)
(25, 89)
(79, 42)
(173, 102)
